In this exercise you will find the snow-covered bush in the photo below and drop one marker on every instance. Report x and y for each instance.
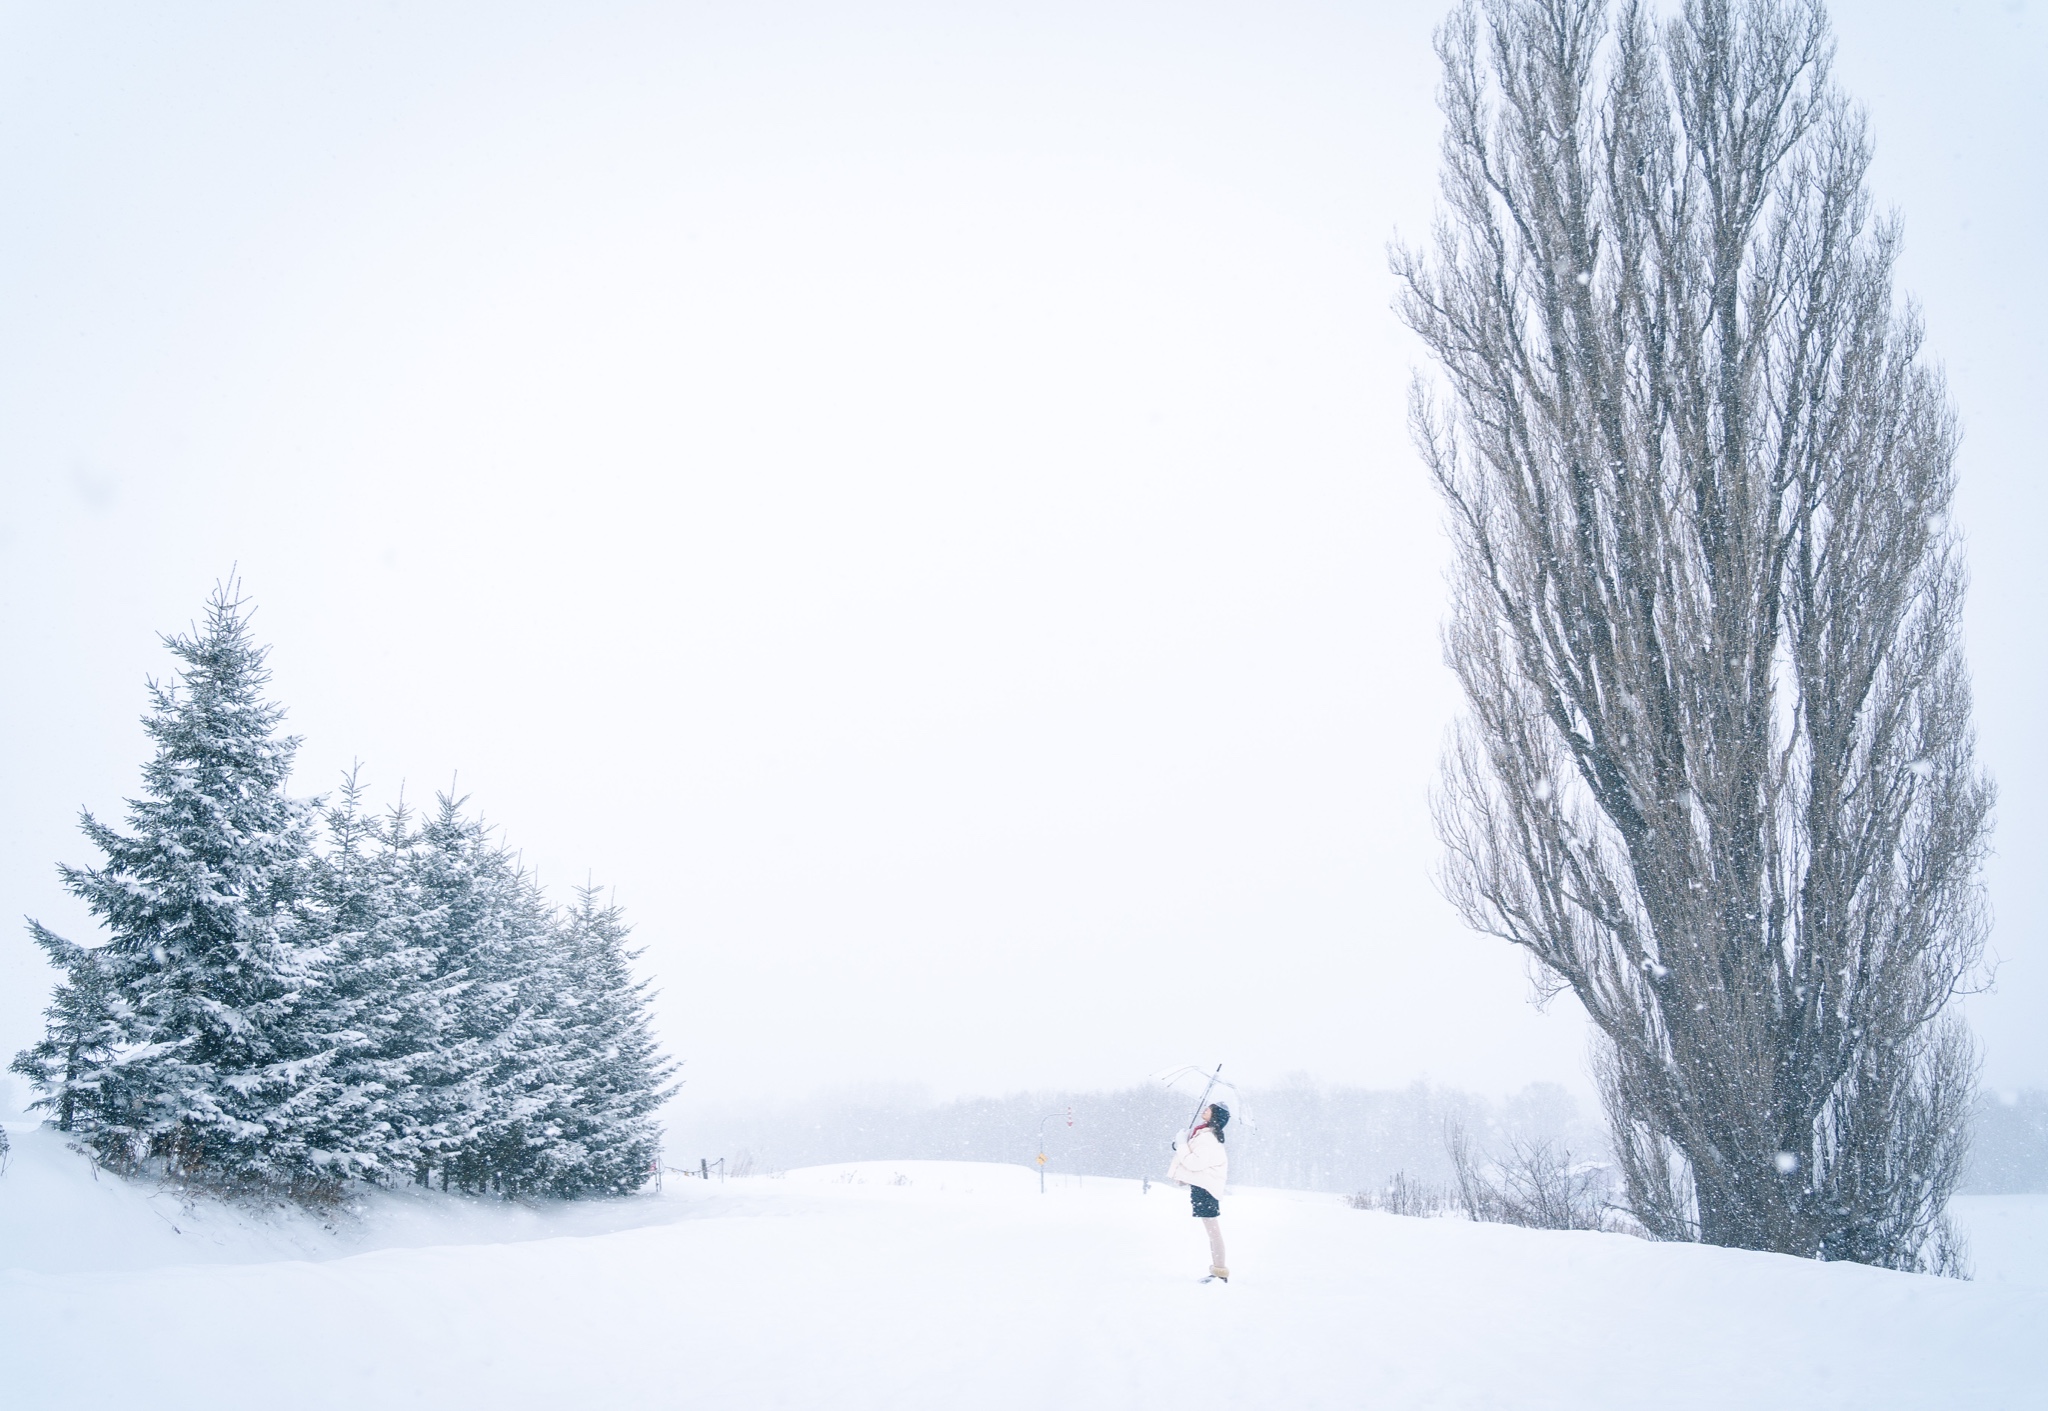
(1538, 1184)
(1405, 1195)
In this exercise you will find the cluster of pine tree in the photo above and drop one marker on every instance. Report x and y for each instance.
(294, 996)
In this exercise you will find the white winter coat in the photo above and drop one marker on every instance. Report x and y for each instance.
(1199, 1160)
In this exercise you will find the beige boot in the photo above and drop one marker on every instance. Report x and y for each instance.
(1219, 1273)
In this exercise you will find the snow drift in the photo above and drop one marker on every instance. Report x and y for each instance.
(935, 1284)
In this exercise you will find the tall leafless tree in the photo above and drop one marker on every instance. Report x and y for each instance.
(1717, 774)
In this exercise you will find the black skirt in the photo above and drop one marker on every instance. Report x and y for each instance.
(1205, 1204)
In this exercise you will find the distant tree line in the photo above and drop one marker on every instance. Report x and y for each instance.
(2008, 1144)
(1296, 1134)
(296, 995)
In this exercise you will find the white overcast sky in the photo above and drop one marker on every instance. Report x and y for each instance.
(914, 496)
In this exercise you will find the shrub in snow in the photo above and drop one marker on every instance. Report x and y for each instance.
(1537, 1184)
(1404, 1195)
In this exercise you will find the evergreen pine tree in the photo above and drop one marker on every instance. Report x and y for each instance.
(530, 1073)
(609, 1135)
(370, 985)
(465, 913)
(400, 1003)
(80, 1036)
(193, 1034)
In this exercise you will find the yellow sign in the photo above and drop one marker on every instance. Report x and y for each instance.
(1041, 1158)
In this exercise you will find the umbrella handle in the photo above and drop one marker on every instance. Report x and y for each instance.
(1206, 1090)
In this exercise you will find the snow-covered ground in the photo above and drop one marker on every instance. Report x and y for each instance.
(926, 1284)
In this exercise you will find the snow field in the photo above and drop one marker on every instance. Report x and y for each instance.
(924, 1284)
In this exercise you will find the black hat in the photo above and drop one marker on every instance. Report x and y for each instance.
(1219, 1116)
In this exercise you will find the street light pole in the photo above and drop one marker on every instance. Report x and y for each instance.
(1069, 1115)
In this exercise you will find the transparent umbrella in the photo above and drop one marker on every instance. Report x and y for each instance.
(1205, 1085)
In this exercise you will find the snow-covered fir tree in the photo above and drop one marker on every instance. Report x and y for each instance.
(370, 984)
(399, 1003)
(189, 1036)
(80, 1037)
(529, 1070)
(606, 1138)
(491, 1043)
(476, 926)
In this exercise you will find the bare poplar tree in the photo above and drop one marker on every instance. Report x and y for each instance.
(1717, 774)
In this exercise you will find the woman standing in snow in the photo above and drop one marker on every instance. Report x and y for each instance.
(1199, 1163)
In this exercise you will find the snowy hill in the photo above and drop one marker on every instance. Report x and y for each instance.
(932, 1284)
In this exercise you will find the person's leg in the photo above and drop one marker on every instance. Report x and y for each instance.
(1215, 1229)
